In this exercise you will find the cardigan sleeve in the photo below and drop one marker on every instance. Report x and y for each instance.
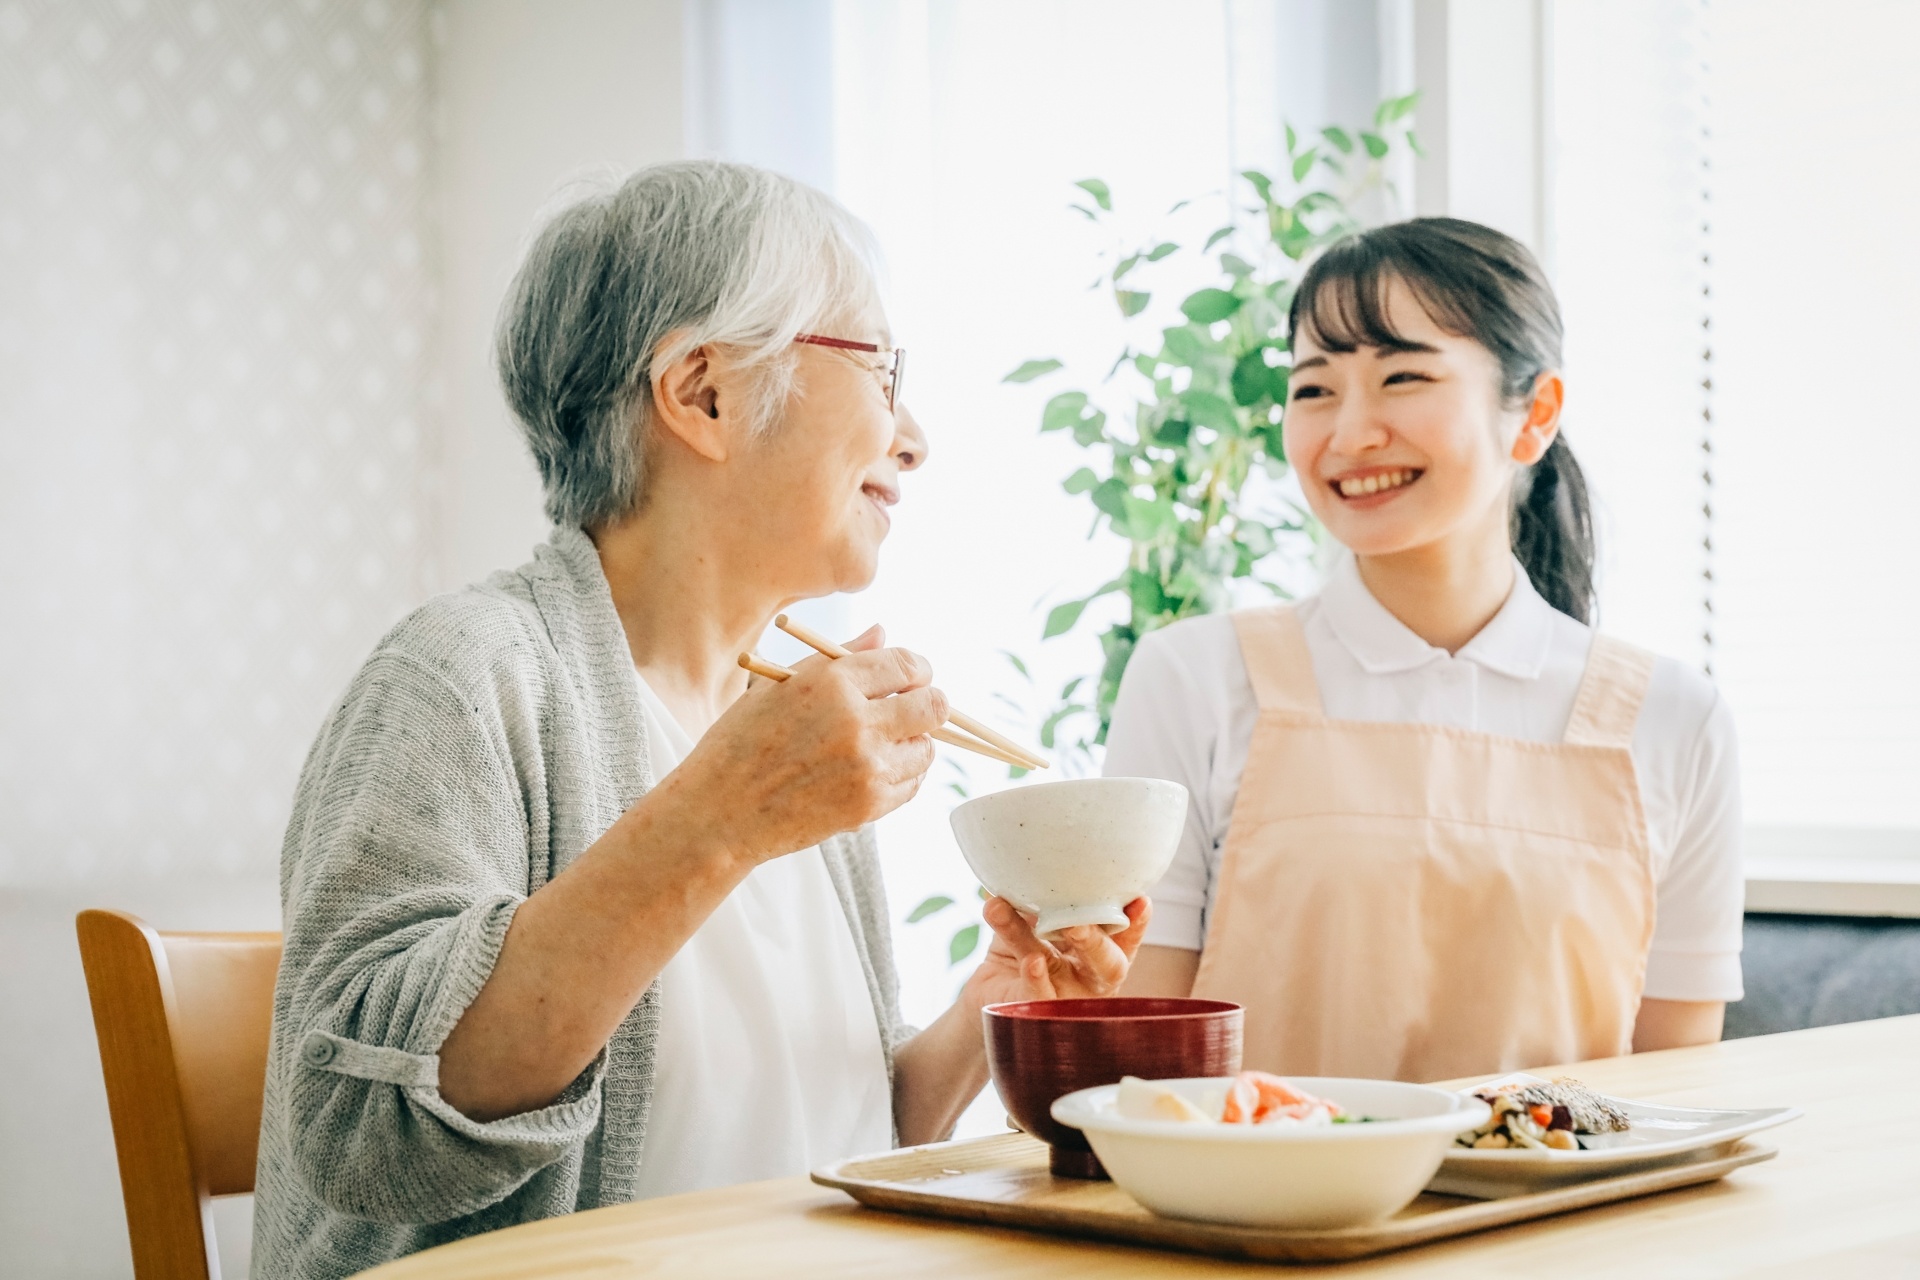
(408, 854)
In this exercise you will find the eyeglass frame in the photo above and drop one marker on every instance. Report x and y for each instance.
(896, 359)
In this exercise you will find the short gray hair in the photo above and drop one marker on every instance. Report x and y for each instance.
(620, 284)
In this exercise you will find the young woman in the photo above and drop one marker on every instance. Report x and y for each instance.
(1439, 826)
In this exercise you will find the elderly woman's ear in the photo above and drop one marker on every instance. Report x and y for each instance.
(688, 405)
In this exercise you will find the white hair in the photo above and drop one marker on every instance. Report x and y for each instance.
(620, 284)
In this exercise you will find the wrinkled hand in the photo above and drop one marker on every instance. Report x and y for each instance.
(840, 744)
(1083, 961)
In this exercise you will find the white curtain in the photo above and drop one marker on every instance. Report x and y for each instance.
(214, 426)
(1734, 191)
(1629, 237)
(1816, 173)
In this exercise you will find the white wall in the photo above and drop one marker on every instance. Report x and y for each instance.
(249, 259)
(1479, 67)
(529, 96)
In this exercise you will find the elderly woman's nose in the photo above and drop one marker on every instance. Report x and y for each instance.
(909, 441)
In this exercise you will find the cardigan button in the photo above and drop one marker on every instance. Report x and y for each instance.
(317, 1049)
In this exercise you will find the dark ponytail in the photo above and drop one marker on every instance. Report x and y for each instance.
(1476, 283)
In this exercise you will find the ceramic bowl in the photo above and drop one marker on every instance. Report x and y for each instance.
(1074, 852)
(1296, 1178)
(1041, 1049)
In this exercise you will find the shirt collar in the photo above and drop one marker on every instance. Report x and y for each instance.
(1515, 642)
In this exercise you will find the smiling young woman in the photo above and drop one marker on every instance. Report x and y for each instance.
(1440, 826)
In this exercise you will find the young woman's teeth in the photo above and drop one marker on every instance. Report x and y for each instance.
(1364, 485)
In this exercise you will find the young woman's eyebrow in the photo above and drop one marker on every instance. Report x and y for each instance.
(1311, 362)
(1405, 347)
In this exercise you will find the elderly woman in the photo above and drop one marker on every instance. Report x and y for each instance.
(573, 915)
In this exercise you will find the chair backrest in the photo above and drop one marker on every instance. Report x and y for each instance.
(183, 1021)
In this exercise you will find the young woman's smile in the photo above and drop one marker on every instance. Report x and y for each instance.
(1370, 487)
(1404, 445)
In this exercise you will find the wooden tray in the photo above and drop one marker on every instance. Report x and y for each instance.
(1004, 1180)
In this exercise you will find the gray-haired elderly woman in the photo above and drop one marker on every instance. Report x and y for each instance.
(573, 915)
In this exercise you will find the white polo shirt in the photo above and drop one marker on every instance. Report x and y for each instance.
(1186, 712)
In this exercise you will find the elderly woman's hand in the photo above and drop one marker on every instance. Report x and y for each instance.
(837, 746)
(1082, 961)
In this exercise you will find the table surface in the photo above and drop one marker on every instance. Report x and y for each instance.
(1842, 1198)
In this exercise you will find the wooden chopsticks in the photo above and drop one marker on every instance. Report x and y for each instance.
(820, 644)
(774, 671)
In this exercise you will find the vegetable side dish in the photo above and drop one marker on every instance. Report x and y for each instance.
(1254, 1097)
(1547, 1117)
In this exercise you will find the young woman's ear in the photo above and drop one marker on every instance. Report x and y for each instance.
(686, 406)
(1543, 419)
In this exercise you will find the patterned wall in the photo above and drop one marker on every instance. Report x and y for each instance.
(215, 422)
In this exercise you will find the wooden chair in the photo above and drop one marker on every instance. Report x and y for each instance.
(183, 1021)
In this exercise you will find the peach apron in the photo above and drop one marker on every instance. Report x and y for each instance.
(1419, 902)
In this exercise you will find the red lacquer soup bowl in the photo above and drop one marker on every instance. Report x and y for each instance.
(1041, 1050)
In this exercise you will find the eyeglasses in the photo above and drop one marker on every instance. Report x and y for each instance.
(896, 359)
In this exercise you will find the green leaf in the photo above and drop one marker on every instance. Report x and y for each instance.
(957, 789)
(1144, 591)
(1146, 364)
(1015, 772)
(1161, 250)
(1061, 618)
(964, 944)
(1063, 411)
(1303, 163)
(1066, 690)
(1089, 214)
(1293, 140)
(1149, 519)
(982, 891)
(1032, 369)
(1126, 264)
(1413, 142)
(1132, 302)
(1173, 433)
(1338, 137)
(1098, 190)
(1079, 482)
(1277, 388)
(1050, 726)
(1207, 410)
(938, 902)
(1090, 430)
(1251, 381)
(1015, 661)
(1207, 306)
(1111, 498)
(1262, 185)
(1187, 345)
(1376, 145)
(1216, 238)
(1395, 108)
(1235, 265)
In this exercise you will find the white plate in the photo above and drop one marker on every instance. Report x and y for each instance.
(1660, 1135)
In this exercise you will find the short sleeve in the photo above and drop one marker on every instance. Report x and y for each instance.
(1161, 729)
(1701, 896)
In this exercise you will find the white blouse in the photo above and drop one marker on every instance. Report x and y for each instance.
(769, 1059)
(1186, 712)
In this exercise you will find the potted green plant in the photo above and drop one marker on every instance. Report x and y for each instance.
(1191, 477)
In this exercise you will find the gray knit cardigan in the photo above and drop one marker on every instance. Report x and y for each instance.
(490, 738)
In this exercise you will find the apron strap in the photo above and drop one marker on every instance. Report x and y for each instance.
(1611, 692)
(1279, 666)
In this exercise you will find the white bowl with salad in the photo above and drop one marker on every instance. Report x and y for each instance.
(1261, 1151)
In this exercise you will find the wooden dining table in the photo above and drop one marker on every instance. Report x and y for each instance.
(1842, 1198)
